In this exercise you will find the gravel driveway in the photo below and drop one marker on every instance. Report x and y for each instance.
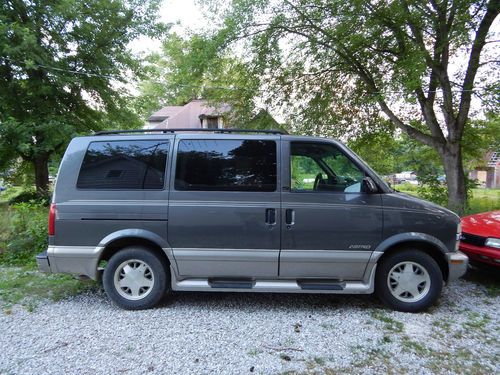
(217, 333)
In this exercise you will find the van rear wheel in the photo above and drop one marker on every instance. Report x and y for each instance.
(409, 280)
(136, 278)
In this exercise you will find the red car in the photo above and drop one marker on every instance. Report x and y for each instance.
(480, 238)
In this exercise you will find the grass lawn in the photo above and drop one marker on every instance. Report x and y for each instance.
(483, 200)
(28, 287)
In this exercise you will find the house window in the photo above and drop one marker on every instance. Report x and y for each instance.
(124, 165)
(495, 158)
(226, 165)
(212, 122)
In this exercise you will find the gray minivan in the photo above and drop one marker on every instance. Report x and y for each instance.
(241, 211)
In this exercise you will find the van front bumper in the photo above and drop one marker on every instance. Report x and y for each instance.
(457, 265)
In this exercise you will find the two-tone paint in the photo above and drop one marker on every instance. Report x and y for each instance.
(277, 240)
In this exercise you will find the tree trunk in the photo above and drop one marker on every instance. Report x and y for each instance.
(41, 175)
(451, 155)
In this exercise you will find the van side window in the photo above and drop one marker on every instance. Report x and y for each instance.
(226, 165)
(124, 165)
(323, 167)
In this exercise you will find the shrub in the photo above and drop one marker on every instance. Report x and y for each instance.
(32, 196)
(433, 190)
(28, 234)
(406, 187)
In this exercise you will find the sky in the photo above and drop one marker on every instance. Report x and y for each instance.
(184, 14)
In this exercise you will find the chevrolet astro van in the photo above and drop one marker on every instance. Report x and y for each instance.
(150, 212)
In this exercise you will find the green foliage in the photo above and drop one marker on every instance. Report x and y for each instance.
(30, 196)
(407, 188)
(27, 234)
(196, 67)
(483, 200)
(480, 200)
(63, 64)
(432, 190)
(5, 224)
(336, 66)
(28, 287)
(380, 150)
(481, 136)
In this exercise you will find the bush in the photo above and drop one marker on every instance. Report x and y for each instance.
(406, 187)
(28, 234)
(433, 190)
(32, 196)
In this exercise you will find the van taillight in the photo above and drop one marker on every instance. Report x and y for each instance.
(52, 219)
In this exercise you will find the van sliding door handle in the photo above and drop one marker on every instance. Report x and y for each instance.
(289, 216)
(271, 216)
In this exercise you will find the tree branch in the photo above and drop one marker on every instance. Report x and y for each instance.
(440, 65)
(429, 115)
(492, 11)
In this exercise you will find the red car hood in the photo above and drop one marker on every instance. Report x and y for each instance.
(486, 224)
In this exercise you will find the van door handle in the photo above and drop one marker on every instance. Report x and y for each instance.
(271, 216)
(289, 216)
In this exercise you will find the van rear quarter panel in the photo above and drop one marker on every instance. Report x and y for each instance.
(85, 217)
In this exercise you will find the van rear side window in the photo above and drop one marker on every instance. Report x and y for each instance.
(226, 165)
(124, 165)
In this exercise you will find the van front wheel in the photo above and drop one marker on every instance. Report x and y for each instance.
(409, 280)
(136, 278)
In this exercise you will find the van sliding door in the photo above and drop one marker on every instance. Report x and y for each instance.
(224, 206)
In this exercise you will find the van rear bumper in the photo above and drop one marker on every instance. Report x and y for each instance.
(42, 260)
(79, 260)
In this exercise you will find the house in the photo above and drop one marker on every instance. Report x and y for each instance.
(406, 177)
(488, 174)
(194, 114)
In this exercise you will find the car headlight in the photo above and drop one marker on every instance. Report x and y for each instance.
(493, 242)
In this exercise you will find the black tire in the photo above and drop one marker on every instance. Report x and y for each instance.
(150, 266)
(425, 296)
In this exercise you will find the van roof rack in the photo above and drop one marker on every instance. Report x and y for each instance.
(175, 130)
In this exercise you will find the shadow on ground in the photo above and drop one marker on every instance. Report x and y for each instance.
(485, 276)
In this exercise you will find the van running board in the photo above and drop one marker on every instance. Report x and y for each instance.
(273, 285)
(231, 283)
(321, 284)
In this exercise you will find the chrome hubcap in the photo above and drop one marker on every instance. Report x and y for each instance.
(134, 279)
(409, 281)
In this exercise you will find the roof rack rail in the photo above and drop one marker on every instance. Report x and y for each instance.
(165, 131)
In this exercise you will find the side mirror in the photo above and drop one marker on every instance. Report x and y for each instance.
(369, 186)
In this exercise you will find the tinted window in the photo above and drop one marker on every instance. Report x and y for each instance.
(124, 165)
(226, 165)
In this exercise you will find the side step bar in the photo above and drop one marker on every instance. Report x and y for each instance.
(231, 283)
(275, 285)
(303, 284)
(321, 284)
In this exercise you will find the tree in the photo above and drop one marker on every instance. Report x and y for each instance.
(480, 137)
(380, 149)
(196, 67)
(63, 66)
(344, 62)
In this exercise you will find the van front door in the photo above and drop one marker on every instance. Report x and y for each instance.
(224, 206)
(330, 226)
